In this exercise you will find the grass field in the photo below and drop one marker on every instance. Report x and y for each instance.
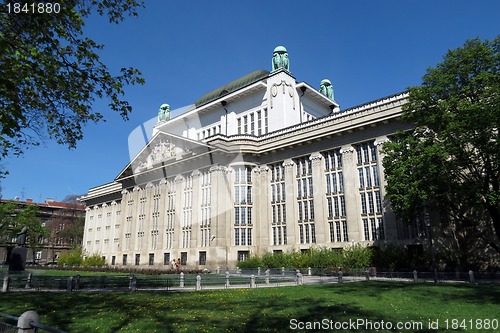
(284, 309)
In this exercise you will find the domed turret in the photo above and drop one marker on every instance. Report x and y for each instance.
(280, 58)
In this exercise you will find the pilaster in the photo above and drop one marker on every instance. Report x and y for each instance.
(261, 208)
(291, 203)
(179, 194)
(320, 218)
(196, 209)
(163, 215)
(221, 218)
(351, 193)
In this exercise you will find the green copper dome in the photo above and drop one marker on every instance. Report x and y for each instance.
(232, 86)
(280, 49)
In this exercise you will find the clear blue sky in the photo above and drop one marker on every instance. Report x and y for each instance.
(368, 49)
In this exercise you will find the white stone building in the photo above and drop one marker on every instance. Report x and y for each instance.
(264, 163)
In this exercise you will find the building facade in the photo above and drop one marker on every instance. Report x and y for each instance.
(63, 231)
(264, 163)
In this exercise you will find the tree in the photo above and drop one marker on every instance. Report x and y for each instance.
(52, 74)
(15, 217)
(450, 162)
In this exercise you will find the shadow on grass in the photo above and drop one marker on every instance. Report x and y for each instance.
(245, 310)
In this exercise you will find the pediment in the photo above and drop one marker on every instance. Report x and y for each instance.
(164, 148)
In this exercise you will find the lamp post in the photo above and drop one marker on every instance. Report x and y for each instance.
(427, 221)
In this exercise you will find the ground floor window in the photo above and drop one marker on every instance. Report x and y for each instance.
(137, 259)
(151, 259)
(203, 258)
(113, 260)
(184, 258)
(243, 255)
(166, 258)
(124, 261)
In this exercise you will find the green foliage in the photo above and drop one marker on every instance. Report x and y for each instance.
(353, 257)
(94, 260)
(14, 216)
(450, 161)
(358, 256)
(76, 257)
(251, 262)
(52, 74)
(73, 257)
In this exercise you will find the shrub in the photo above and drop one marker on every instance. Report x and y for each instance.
(354, 257)
(71, 258)
(251, 262)
(94, 260)
(358, 256)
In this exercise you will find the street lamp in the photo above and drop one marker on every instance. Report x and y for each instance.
(427, 221)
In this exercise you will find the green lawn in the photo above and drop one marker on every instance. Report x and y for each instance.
(266, 309)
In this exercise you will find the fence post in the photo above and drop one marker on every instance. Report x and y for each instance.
(69, 284)
(133, 283)
(23, 323)
(415, 275)
(340, 275)
(227, 280)
(471, 277)
(309, 271)
(6, 282)
(252, 281)
(258, 270)
(217, 270)
(267, 276)
(77, 282)
(282, 271)
(300, 279)
(198, 282)
(28, 282)
(181, 280)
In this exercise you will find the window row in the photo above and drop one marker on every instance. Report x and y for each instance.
(253, 123)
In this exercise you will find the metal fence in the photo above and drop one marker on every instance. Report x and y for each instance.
(248, 278)
(134, 282)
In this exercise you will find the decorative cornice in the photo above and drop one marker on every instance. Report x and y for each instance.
(315, 156)
(347, 150)
(218, 168)
(261, 169)
(288, 163)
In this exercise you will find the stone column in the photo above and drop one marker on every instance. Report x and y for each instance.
(320, 213)
(162, 222)
(134, 223)
(179, 196)
(221, 200)
(196, 209)
(351, 194)
(291, 203)
(147, 242)
(261, 209)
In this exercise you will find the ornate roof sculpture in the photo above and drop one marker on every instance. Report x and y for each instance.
(326, 89)
(280, 59)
